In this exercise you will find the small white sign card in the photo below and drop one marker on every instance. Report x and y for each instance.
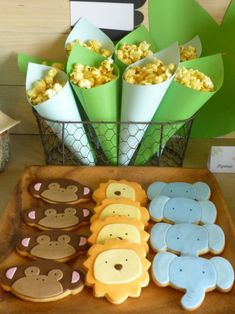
(115, 18)
(222, 159)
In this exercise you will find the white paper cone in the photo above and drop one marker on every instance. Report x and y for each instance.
(195, 42)
(140, 102)
(84, 30)
(62, 107)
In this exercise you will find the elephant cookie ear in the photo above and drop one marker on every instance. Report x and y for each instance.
(156, 207)
(224, 272)
(202, 191)
(161, 268)
(158, 236)
(154, 189)
(209, 212)
(216, 238)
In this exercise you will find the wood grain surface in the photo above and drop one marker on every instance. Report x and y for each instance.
(153, 299)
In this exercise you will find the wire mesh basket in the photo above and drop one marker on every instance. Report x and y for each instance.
(4, 149)
(163, 145)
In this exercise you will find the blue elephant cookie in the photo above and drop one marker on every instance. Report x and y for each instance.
(187, 239)
(181, 209)
(199, 191)
(194, 275)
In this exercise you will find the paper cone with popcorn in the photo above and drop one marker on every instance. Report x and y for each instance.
(140, 102)
(59, 106)
(180, 103)
(100, 102)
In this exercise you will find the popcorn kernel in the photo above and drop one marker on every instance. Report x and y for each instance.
(129, 54)
(91, 44)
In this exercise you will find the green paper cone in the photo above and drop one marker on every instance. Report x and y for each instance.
(135, 37)
(180, 103)
(100, 103)
(23, 61)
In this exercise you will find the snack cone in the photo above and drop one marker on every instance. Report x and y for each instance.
(195, 42)
(100, 103)
(135, 37)
(140, 102)
(23, 61)
(180, 103)
(84, 30)
(62, 107)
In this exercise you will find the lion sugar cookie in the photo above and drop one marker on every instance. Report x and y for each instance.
(121, 207)
(194, 275)
(181, 209)
(199, 191)
(61, 191)
(57, 216)
(119, 228)
(120, 189)
(117, 270)
(56, 245)
(42, 281)
(187, 239)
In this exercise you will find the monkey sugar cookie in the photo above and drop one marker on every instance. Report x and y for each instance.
(57, 216)
(42, 281)
(56, 245)
(117, 270)
(120, 189)
(61, 191)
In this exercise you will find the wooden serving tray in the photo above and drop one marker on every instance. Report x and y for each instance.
(153, 299)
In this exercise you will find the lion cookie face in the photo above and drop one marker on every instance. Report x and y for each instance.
(53, 245)
(66, 217)
(120, 189)
(60, 191)
(181, 209)
(195, 275)
(121, 228)
(122, 208)
(117, 269)
(42, 281)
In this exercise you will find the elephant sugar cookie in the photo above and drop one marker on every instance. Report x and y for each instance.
(199, 191)
(187, 239)
(181, 209)
(42, 281)
(117, 270)
(120, 189)
(194, 275)
(119, 228)
(121, 207)
(57, 216)
(61, 191)
(57, 245)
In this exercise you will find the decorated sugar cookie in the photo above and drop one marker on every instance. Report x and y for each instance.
(199, 191)
(61, 191)
(117, 270)
(42, 281)
(119, 228)
(181, 209)
(56, 245)
(194, 275)
(187, 239)
(57, 216)
(120, 189)
(121, 207)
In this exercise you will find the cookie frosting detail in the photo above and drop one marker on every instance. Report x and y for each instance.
(42, 281)
(60, 191)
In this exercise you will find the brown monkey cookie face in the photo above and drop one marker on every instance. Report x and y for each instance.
(61, 191)
(56, 245)
(66, 217)
(42, 281)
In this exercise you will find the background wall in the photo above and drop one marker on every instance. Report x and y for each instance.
(39, 28)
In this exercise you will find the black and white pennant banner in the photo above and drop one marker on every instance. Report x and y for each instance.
(115, 18)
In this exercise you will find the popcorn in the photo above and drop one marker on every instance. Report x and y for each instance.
(129, 54)
(194, 79)
(45, 88)
(93, 45)
(187, 53)
(152, 73)
(86, 76)
(56, 65)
